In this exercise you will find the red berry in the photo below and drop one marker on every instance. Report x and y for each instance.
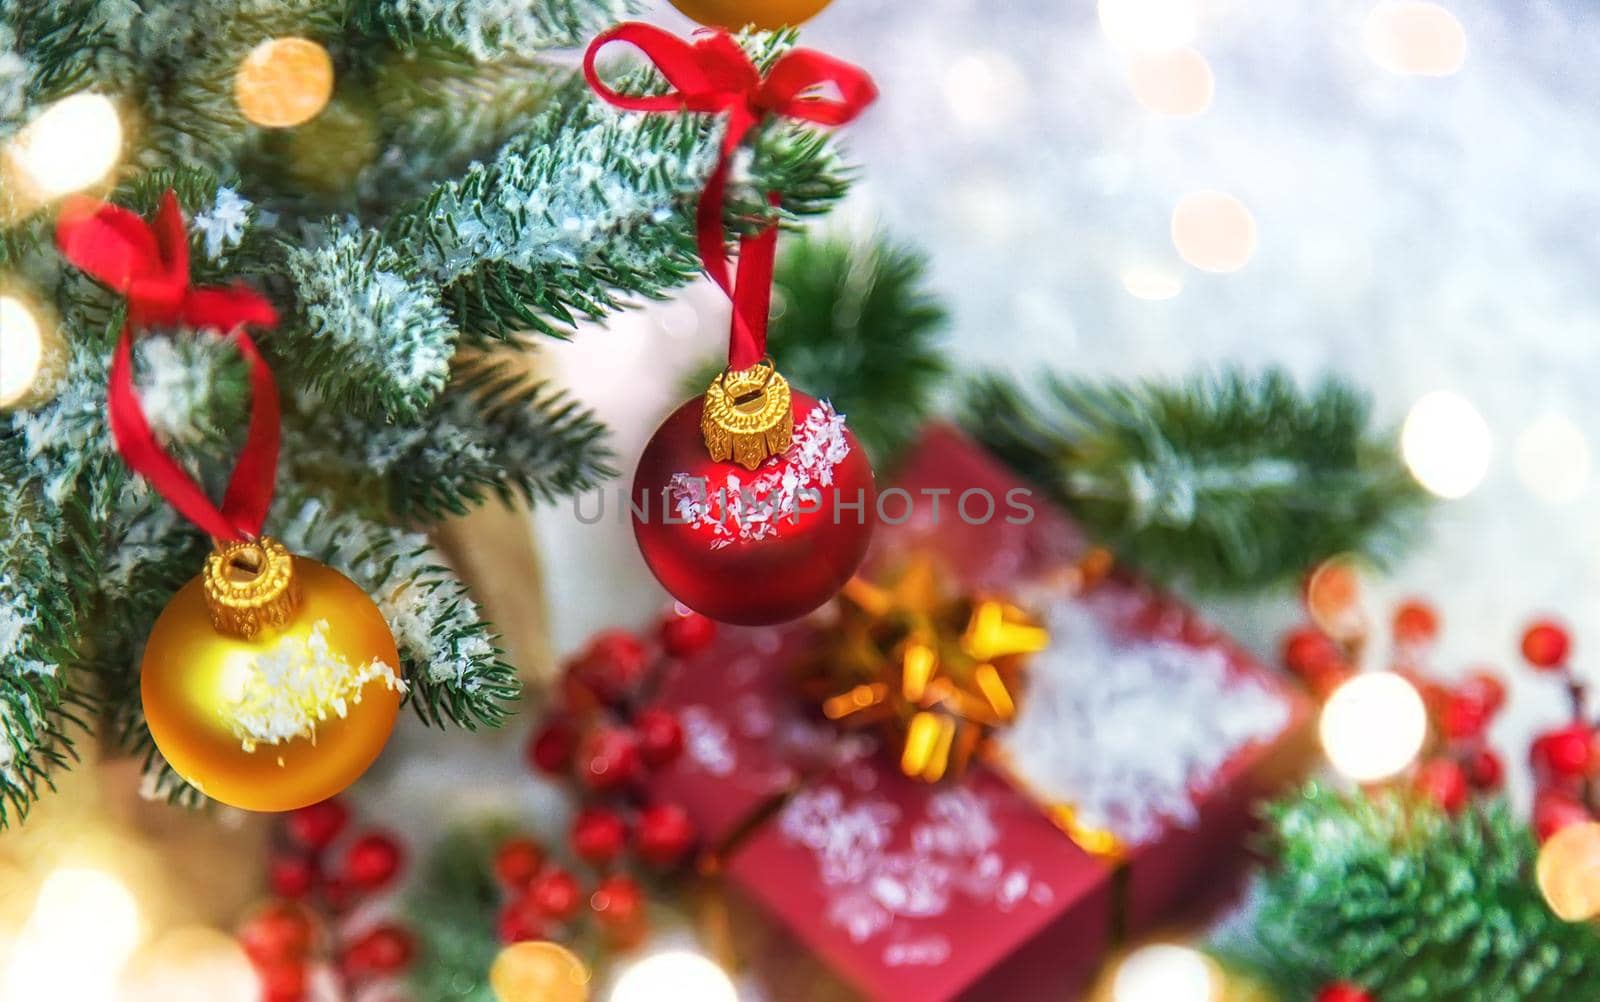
(315, 827)
(684, 633)
(1485, 770)
(551, 747)
(1463, 715)
(665, 834)
(338, 893)
(1486, 688)
(384, 950)
(1554, 810)
(517, 862)
(282, 982)
(1415, 623)
(292, 875)
(1343, 991)
(1545, 644)
(556, 895)
(520, 920)
(1307, 649)
(1443, 782)
(609, 759)
(599, 836)
(618, 905)
(279, 933)
(1567, 753)
(372, 861)
(613, 667)
(660, 736)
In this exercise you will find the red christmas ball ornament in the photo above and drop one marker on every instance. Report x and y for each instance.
(1415, 623)
(753, 505)
(685, 632)
(556, 895)
(613, 666)
(618, 907)
(1554, 810)
(609, 759)
(1485, 769)
(517, 862)
(521, 920)
(316, 826)
(665, 834)
(383, 950)
(599, 836)
(660, 736)
(372, 861)
(1545, 644)
(279, 933)
(1343, 991)
(292, 876)
(551, 748)
(1443, 782)
(1567, 753)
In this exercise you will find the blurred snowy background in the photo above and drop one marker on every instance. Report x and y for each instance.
(1402, 192)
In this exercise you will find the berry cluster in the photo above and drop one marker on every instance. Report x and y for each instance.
(316, 891)
(605, 737)
(1564, 759)
(1459, 760)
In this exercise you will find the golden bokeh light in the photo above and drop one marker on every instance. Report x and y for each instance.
(1569, 872)
(1177, 83)
(73, 144)
(1415, 38)
(284, 82)
(1373, 726)
(1446, 444)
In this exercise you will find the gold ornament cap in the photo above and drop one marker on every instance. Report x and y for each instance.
(748, 415)
(250, 587)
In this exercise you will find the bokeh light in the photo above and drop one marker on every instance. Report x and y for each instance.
(71, 145)
(21, 350)
(1213, 231)
(1446, 444)
(1568, 872)
(83, 928)
(1178, 83)
(674, 976)
(1415, 38)
(1552, 459)
(1150, 282)
(1165, 972)
(1149, 25)
(1373, 726)
(192, 964)
(984, 89)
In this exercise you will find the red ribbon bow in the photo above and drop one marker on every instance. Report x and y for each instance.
(713, 74)
(149, 264)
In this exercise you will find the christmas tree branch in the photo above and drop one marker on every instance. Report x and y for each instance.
(456, 673)
(1233, 481)
(1389, 892)
(487, 29)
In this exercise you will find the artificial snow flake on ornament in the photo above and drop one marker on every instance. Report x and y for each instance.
(284, 82)
(754, 546)
(269, 681)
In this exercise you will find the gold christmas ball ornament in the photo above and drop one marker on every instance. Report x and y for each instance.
(284, 82)
(538, 971)
(270, 681)
(1568, 872)
(768, 15)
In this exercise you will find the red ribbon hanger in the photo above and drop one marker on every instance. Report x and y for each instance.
(713, 74)
(149, 265)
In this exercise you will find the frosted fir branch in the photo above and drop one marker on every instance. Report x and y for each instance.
(494, 431)
(489, 29)
(374, 339)
(15, 73)
(455, 671)
(593, 205)
(222, 224)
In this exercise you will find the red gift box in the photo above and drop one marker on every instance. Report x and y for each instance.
(969, 889)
